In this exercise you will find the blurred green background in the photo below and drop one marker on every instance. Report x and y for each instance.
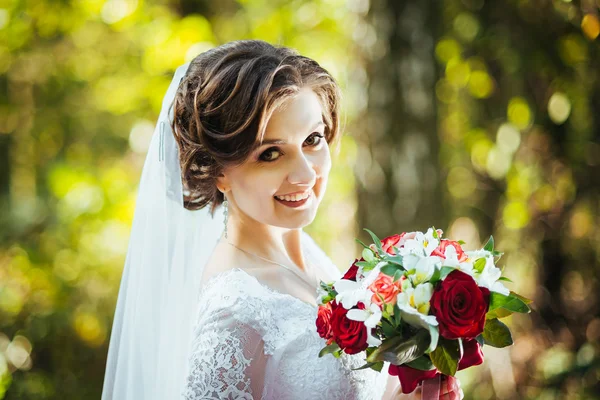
(477, 116)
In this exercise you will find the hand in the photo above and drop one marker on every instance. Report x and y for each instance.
(449, 390)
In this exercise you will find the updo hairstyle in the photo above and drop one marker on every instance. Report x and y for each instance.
(226, 98)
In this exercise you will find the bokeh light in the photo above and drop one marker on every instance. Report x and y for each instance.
(559, 108)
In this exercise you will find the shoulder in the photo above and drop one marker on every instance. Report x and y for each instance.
(228, 287)
(234, 302)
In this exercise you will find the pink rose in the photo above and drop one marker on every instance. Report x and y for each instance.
(385, 286)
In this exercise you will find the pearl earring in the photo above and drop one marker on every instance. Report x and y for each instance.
(225, 213)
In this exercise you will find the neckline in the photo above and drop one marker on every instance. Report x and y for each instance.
(295, 270)
(264, 286)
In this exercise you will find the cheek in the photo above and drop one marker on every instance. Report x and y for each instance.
(323, 162)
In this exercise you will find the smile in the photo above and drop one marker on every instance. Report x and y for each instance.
(293, 203)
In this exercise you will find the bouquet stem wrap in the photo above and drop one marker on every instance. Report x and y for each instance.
(431, 388)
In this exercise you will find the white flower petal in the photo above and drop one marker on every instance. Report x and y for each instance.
(373, 320)
(466, 267)
(357, 315)
(344, 285)
(423, 293)
(415, 318)
(373, 341)
(500, 288)
(424, 269)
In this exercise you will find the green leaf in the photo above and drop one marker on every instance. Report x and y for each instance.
(377, 366)
(445, 271)
(496, 334)
(397, 275)
(480, 340)
(462, 242)
(434, 234)
(479, 265)
(422, 363)
(388, 329)
(445, 357)
(397, 315)
(399, 350)
(328, 287)
(440, 274)
(374, 365)
(510, 302)
(498, 313)
(333, 347)
(505, 279)
(489, 246)
(376, 241)
(397, 259)
(364, 264)
(363, 245)
(368, 255)
(435, 277)
(392, 269)
(522, 298)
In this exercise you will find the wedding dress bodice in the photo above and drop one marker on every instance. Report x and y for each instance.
(253, 342)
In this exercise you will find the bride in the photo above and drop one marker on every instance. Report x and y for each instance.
(218, 294)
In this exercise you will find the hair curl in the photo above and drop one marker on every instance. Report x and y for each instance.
(224, 100)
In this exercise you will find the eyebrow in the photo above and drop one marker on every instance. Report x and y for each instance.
(281, 141)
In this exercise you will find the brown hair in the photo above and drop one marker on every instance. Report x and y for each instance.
(224, 100)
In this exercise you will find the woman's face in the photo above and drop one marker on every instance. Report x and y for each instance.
(299, 163)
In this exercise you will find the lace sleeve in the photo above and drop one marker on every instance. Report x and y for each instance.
(227, 362)
(232, 340)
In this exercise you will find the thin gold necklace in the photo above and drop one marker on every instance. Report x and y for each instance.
(281, 265)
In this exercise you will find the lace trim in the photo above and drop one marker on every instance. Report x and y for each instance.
(251, 302)
(218, 366)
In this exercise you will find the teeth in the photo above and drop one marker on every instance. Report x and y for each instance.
(294, 197)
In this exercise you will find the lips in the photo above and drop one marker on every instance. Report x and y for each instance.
(299, 194)
(294, 204)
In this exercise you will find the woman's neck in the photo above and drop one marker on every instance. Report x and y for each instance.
(280, 245)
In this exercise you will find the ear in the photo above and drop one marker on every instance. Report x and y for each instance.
(223, 182)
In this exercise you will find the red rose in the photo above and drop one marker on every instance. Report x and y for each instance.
(350, 335)
(460, 306)
(351, 273)
(324, 323)
(441, 249)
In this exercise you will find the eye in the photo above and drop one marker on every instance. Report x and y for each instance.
(269, 151)
(316, 135)
(272, 150)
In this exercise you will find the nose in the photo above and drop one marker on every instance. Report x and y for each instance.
(302, 172)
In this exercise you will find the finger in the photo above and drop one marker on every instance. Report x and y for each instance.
(449, 384)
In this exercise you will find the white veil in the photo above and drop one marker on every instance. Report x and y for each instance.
(168, 248)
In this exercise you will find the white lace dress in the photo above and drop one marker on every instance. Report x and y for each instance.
(252, 342)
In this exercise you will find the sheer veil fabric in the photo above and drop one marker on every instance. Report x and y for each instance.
(168, 249)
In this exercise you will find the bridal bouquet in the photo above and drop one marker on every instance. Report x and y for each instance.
(420, 302)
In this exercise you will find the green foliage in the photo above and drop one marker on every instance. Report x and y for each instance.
(446, 356)
(332, 348)
(510, 303)
(399, 350)
(422, 363)
(496, 334)
(83, 84)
